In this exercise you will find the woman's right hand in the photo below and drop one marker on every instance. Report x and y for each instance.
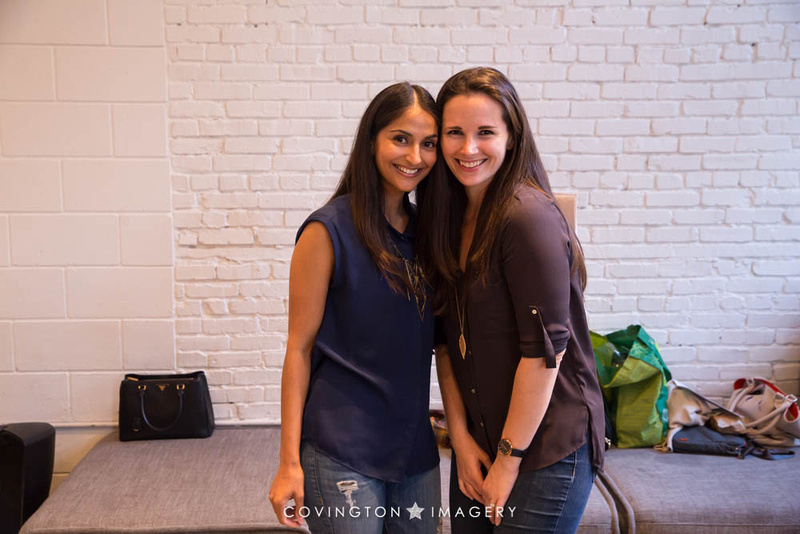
(309, 276)
(288, 485)
(469, 459)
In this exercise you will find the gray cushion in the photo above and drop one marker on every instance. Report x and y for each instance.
(673, 493)
(218, 484)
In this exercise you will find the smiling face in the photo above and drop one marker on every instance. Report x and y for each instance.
(474, 140)
(405, 150)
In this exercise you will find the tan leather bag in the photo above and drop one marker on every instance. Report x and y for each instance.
(771, 417)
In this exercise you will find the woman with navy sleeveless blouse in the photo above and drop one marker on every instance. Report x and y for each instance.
(357, 449)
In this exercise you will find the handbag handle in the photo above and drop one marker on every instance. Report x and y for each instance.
(179, 387)
(738, 395)
(771, 419)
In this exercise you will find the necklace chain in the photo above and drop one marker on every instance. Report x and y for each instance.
(416, 279)
(462, 342)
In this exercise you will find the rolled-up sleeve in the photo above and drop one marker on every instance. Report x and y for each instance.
(536, 264)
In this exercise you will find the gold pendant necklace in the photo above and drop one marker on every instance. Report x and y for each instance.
(462, 342)
(416, 279)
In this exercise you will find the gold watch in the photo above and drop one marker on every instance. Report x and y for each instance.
(506, 448)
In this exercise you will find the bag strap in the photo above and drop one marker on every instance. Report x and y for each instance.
(752, 385)
(771, 420)
(179, 387)
(762, 451)
(773, 454)
(772, 440)
(773, 417)
(666, 445)
(749, 386)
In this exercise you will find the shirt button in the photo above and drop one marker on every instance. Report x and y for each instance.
(472, 391)
(481, 424)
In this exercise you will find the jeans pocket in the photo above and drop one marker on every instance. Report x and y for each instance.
(308, 461)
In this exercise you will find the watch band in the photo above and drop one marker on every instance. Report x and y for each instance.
(506, 448)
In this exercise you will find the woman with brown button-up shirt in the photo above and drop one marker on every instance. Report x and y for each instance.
(517, 373)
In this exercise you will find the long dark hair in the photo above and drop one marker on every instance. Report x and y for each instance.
(362, 181)
(445, 200)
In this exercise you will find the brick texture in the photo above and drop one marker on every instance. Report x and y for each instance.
(86, 231)
(155, 164)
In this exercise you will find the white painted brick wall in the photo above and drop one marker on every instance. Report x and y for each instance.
(86, 230)
(155, 163)
(693, 106)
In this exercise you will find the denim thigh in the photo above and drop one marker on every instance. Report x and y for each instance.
(551, 499)
(339, 500)
(419, 499)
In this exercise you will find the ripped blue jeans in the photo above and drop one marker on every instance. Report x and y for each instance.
(339, 500)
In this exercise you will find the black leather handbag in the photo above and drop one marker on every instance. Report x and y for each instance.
(165, 407)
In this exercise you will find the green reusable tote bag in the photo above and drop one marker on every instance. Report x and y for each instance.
(634, 381)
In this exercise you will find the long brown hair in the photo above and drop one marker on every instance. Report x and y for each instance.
(362, 181)
(444, 200)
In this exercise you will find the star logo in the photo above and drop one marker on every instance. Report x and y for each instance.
(415, 511)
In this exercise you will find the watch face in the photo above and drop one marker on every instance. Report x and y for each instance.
(504, 447)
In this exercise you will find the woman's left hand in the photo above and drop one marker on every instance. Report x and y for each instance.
(498, 484)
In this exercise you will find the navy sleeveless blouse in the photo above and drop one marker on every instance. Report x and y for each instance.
(367, 404)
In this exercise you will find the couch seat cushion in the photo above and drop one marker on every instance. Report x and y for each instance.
(673, 493)
(218, 484)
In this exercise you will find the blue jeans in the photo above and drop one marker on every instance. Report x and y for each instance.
(339, 500)
(551, 499)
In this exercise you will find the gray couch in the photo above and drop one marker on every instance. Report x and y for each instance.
(671, 493)
(220, 484)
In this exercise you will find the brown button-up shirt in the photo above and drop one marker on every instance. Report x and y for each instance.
(529, 307)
